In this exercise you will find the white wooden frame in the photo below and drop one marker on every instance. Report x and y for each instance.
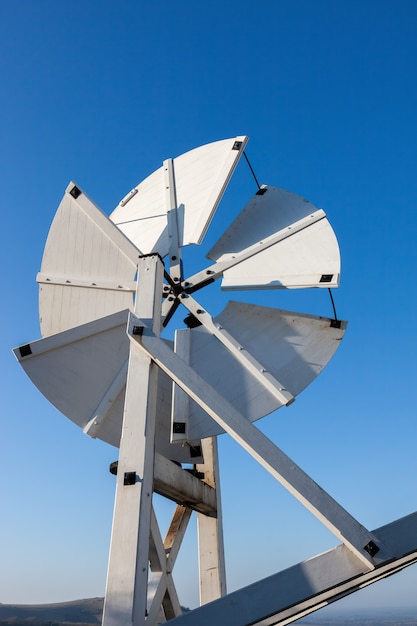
(140, 588)
(322, 505)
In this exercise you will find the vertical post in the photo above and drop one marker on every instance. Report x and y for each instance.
(127, 577)
(210, 531)
(180, 400)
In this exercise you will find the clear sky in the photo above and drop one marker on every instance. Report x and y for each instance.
(101, 93)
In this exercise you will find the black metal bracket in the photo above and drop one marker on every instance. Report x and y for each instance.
(371, 548)
(25, 350)
(129, 478)
(75, 192)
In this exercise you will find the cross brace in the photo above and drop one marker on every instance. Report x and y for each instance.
(366, 546)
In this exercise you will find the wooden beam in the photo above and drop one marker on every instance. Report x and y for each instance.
(362, 543)
(299, 590)
(175, 483)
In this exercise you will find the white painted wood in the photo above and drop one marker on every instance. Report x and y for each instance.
(300, 260)
(127, 578)
(294, 256)
(302, 589)
(293, 348)
(212, 570)
(174, 238)
(88, 266)
(228, 262)
(293, 263)
(75, 369)
(299, 484)
(82, 372)
(161, 583)
(240, 352)
(165, 593)
(50, 279)
(125, 599)
(211, 560)
(175, 483)
(114, 391)
(180, 400)
(175, 534)
(201, 177)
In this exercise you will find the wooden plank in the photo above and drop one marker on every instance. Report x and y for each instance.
(292, 348)
(299, 590)
(241, 354)
(82, 372)
(201, 177)
(297, 482)
(175, 483)
(88, 266)
(127, 578)
(211, 562)
(166, 593)
(180, 409)
(298, 260)
(173, 210)
(253, 256)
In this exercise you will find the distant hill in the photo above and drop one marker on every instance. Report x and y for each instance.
(79, 612)
(89, 611)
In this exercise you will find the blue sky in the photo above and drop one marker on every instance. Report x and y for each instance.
(101, 93)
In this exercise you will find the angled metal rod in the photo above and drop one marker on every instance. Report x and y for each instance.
(366, 546)
(251, 169)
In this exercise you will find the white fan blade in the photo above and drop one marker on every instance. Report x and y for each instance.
(279, 240)
(88, 266)
(82, 372)
(201, 177)
(293, 347)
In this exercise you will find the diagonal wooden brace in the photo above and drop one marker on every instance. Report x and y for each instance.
(346, 528)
